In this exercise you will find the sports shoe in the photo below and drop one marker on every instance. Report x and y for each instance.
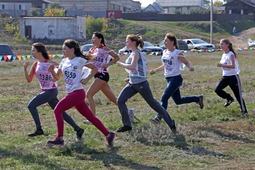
(124, 128)
(36, 133)
(228, 102)
(79, 134)
(56, 141)
(245, 114)
(87, 122)
(201, 101)
(173, 128)
(155, 121)
(109, 138)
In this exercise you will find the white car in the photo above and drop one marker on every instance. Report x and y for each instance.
(198, 44)
(251, 43)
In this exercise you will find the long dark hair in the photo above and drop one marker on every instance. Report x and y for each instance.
(40, 47)
(99, 35)
(172, 38)
(137, 38)
(71, 43)
(230, 45)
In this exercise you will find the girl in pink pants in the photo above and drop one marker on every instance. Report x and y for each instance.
(71, 68)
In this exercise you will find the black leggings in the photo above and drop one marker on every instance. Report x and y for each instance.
(235, 84)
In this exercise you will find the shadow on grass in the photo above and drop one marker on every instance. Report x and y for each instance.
(27, 159)
(227, 135)
(109, 157)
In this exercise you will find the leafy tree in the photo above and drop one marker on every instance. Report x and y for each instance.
(99, 24)
(34, 12)
(54, 5)
(218, 3)
(54, 12)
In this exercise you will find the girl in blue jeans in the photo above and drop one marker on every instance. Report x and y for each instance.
(49, 89)
(172, 58)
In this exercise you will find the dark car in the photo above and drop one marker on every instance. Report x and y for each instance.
(148, 48)
(182, 45)
(5, 49)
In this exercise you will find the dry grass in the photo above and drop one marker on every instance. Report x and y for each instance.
(213, 138)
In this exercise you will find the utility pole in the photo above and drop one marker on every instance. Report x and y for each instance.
(211, 22)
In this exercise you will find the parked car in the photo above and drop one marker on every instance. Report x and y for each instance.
(85, 48)
(251, 43)
(6, 49)
(199, 44)
(182, 45)
(148, 48)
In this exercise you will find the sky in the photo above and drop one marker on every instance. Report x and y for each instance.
(145, 3)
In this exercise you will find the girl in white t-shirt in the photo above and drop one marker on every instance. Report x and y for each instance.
(230, 71)
(71, 68)
(172, 58)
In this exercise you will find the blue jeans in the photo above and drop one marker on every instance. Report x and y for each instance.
(50, 97)
(144, 90)
(173, 90)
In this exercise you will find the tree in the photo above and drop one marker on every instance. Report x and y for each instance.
(34, 12)
(54, 12)
(218, 3)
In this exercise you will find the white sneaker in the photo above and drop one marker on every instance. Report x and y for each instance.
(87, 122)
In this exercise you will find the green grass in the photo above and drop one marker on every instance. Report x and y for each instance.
(212, 138)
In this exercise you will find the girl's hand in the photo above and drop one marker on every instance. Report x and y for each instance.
(126, 80)
(106, 65)
(152, 71)
(191, 69)
(26, 64)
(84, 81)
(219, 65)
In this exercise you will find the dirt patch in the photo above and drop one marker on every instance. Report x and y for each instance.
(241, 39)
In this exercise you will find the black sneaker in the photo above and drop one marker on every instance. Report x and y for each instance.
(79, 134)
(228, 102)
(155, 121)
(124, 128)
(109, 138)
(201, 101)
(173, 128)
(36, 133)
(56, 141)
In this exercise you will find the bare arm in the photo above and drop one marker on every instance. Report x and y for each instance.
(114, 56)
(56, 75)
(29, 75)
(185, 61)
(133, 62)
(160, 68)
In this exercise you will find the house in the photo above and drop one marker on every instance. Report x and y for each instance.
(155, 7)
(98, 8)
(17, 8)
(180, 6)
(53, 28)
(244, 7)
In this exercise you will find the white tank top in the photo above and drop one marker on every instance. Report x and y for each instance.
(171, 63)
(44, 76)
(225, 59)
(72, 72)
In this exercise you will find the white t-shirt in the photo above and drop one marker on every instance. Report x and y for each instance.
(171, 63)
(72, 72)
(225, 59)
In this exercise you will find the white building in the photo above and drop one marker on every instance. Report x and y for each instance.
(53, 28)
(180, 6)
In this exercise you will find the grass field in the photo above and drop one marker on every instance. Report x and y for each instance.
(212, 138)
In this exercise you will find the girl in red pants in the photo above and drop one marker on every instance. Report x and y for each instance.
(71, 68)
